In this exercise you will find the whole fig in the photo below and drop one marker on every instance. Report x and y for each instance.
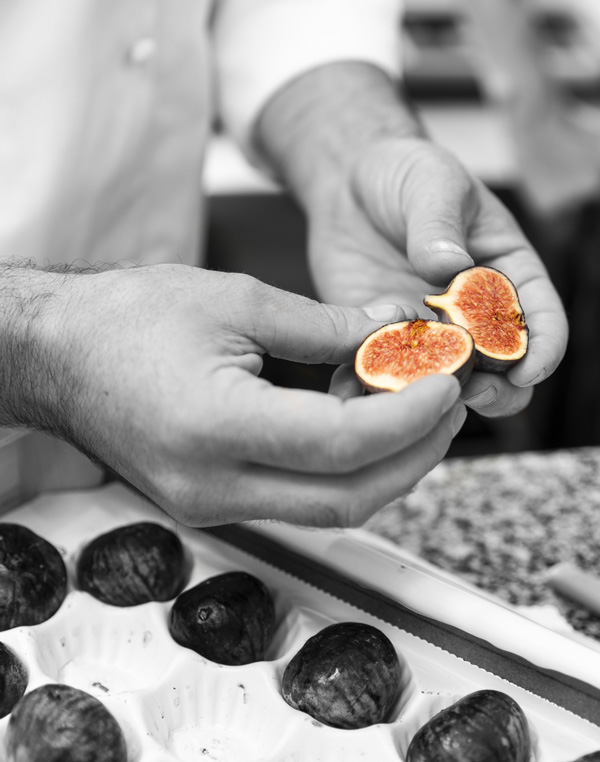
(33, 577)
(348, 675)
(485, 726)
(13, 679)
(58, 723)
(228, 618)
(133, 564)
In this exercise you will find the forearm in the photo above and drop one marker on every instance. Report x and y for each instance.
(33, 386)
(318, 123)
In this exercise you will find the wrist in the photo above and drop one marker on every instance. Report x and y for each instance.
(33, 382)
(312, 130)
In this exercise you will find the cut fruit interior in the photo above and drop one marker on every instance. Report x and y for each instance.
(485, 302)
(400, 353)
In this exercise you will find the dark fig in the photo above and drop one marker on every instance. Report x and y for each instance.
(485, 726)
(228, 619)
(348, 675)
(399, 353)
(13, 679)
(58, 723)
(33, 577)
(133, 564)
(593, 756)
(485, 302)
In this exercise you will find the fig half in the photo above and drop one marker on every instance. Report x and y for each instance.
(485, 302)
(400, 353)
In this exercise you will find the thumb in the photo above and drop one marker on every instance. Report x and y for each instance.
(435, 228)
(293, 327)
(422, 202)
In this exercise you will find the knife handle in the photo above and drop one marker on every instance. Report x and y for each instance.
(577, 585)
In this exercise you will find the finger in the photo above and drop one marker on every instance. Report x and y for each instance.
(493, 396)
(302, 430)
(548, 331)
(258, 492)
(344, 384)
(409, 311)
(422, 201)
(293, 327)
(437, 217)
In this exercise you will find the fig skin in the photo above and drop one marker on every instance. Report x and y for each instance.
(593, 756)
(346, 676)
(13, 679)
(228, 619)
(33, 577)
(485, 726)
(133, 564)
(448, 309)
(400, 353)
(58, 723)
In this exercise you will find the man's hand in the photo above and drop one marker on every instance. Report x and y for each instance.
(393, 217)
(412, 197)
(154, 371)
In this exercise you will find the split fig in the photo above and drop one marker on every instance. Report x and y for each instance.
(13, 679)
(348, 676)
(229, 618)
(33, 577)
(485, 726)
(133, 564)
(399, 353)
(58, 723)
(485, 302)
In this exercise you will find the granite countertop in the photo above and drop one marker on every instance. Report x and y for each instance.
(501, 521)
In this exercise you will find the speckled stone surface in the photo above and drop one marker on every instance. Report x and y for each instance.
(501, 521)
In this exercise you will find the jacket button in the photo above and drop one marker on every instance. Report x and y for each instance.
(141, 51)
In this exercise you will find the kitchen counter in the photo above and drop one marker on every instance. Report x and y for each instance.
(501, 522)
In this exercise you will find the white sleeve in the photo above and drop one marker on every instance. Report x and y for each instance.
(262, 44)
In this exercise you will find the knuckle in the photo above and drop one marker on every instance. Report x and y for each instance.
(335, 509)
(354, 508)
(194, 498)
(343, 452)
(248, 289)
(171, 492)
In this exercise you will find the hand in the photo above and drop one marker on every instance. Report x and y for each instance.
(400, 224)
(392, 215)
(154, 372)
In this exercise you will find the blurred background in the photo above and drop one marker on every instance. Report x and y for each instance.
(513, 88)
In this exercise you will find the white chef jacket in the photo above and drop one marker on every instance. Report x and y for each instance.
(106, 107)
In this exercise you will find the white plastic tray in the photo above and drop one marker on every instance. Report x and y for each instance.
(174, 705)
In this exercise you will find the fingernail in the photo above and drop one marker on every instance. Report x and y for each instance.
(541, 376)
(460, 416)
(442, 246)
(382, 313)
(483, 399)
